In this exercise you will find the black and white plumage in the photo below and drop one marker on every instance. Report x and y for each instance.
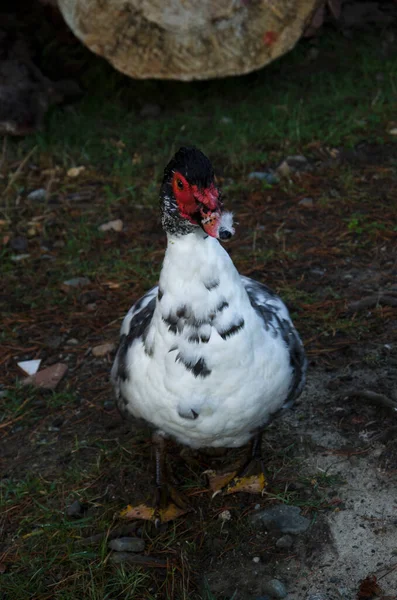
(207, 357)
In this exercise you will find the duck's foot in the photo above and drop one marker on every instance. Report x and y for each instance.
(250, 478)
(169, 504)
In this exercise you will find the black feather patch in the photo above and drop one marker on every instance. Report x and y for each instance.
(232, 330)
(211, 285)
(199, 368)
(222, 305)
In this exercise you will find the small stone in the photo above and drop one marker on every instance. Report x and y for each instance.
(127, 544)
(225, 515)
(150, 110)
(77, 282)
(393, 131)
(72, 342)
(275, 589)
(256, 559)
(103, 349)
(115, 225)
(285, 542)
(19, 243)
(307, 202)
(19, 257)
(292, 164)
(108, 405)
(59, 244)
(286, 519)
(75, 171)
(39, 194)
(48, 378)
(226, 120)
(268, 176)
(76, 510)
(317, 596)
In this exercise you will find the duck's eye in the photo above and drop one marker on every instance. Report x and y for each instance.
(179, 183)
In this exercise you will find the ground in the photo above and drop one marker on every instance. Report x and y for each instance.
(323, 235)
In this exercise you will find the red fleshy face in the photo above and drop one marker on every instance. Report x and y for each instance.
(193, 202)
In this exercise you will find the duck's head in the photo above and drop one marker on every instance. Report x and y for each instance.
(190, 199)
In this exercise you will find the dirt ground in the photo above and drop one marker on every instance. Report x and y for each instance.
(334, 455)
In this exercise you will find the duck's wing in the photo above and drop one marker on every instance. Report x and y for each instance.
(276, 318)
(134, 326)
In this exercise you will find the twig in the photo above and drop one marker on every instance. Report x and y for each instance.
(15, 175)
(374, 300)
(371, 398)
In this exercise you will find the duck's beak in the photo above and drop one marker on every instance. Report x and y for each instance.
(215, 222)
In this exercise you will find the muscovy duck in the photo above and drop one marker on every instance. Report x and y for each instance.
(207, 357)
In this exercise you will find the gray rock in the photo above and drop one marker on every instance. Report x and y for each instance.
(268, 176)
(77, 282)
(127, 544)
(19, 243)
(275, 589)
(307, 202)
(317, 596)
(286, 519)
(285, 542)
(39, 194)
(263, 597)
(76, 510)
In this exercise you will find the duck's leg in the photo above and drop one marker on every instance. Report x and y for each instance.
(169, 504)
(249, 478)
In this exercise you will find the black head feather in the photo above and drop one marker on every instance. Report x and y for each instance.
(193, 165)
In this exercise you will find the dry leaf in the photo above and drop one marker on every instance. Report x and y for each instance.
(75, 171)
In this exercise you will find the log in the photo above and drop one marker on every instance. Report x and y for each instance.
(188, 39)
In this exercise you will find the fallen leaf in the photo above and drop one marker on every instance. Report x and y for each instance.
(148, 513)
(217, 481)
(116, 225)
(75, 171)
(103, 349)
(369, 588)
(48, 378)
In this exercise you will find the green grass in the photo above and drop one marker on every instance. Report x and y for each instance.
(281, 108)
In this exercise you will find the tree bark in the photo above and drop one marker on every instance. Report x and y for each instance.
(188, 39)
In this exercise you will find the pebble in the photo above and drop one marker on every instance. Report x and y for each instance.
(103, 349)
(268, 176)
(393, 131)
(127, 544)
(48, 378)
(292, 164)
(307, 202)
(275, 589)
(72, 342)
(77, 282)
(39, 194)
(256, 559)
(75, 510)
(19, 257)
(115, 225)
(19, 243)
(286, 519)
(285, 542)
(108, 405)
(225, 515)
(150, 110)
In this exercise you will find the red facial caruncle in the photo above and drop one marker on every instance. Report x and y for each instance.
(200, 206)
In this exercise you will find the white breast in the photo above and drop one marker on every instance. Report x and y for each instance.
(205, 392)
